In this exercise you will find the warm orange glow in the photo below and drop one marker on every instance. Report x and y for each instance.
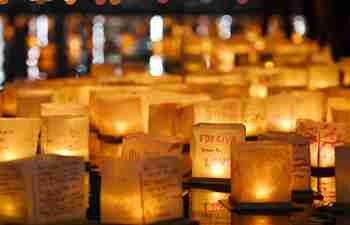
(217, 169)
(285, 125)
(115, 2)
(262, 192)
(8, 209)
(7, 155)
(70, 2)
(258, 91)
(269, 65)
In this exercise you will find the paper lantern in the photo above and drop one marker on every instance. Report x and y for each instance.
(163, 119)
(18, 138)
(326, 186)
(121, 116)
(284, 109)
(216, 111)
(261, 175)
(211, 149)
(28, 104)
(66, 135)
(323, 76)
(336, 109)
(144, 185)
(254, 116)
(206, 209)
(301, 157)
(342, 158)
(323, 137)
(42, 190)
(57, 109)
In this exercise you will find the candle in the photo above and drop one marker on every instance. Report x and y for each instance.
(261, 174)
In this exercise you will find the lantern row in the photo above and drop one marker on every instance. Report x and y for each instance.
(154, 117)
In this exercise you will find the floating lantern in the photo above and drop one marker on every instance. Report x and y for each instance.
(323, 137)
(18, 138)
(144, 185)
(216, 111)
(42, 190)
(163, 119)
(254, 116)
(261, 175)
(206, 209)
(211, 149)
(284, 109)
(323, 76)
(301, 157)
(66, 135)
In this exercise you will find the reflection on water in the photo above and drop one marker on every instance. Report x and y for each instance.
(205, 208)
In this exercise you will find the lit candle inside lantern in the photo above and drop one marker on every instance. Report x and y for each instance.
(66, 135)
(18, 138)
(284, 109)
(148, 172)
(211, 149)
(258, 180)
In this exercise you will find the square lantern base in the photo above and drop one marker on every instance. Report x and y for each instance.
(260, 207)
(217, 184)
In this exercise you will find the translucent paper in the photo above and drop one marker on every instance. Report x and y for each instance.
(284, 109)
(323, 139)
(323, 76)
(301, 157)
(144, 185)
(206, 209)
(215, 111)
(57, 109)
(261, 173)
(18, 138)
(28, 104)
(42, 190)
(211, 149)
(66, 135)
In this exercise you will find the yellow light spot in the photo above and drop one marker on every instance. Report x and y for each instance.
(8, 156)
(262, 192)
(269, 65)
(285, 125)
(217, 168)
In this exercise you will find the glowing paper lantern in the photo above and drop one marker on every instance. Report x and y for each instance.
(18, 138)
(261, 174)
(323, 76)
(163, 119)
(342, 158)
(28, 105)
(216, 111)
(206, 209)
(211, 149)
(323, 137)
(284, 109)
(66, 135)
(254, 116)
(261, 219)
(42, 190)
(301, 157)
(144, 185)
